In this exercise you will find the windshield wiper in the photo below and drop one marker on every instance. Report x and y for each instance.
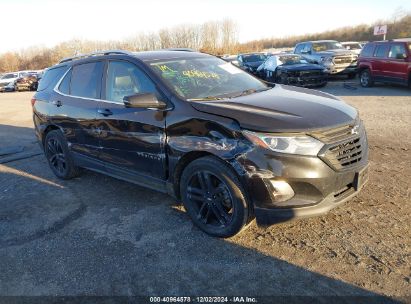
(249, 91)
(206, 98)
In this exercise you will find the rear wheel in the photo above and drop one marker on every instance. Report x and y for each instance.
(58, 156)
(214, 197)
(366, 79)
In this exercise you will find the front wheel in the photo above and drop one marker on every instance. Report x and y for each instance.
(214, 197)
(365, 78)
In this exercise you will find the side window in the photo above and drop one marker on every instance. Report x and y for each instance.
(381, 51)
(367, 51)
(396, 51)
(86, 80)
(64, 86)
(298, 48)
(51, 77)
(125, 79)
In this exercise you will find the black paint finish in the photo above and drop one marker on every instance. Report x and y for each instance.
(152, 146)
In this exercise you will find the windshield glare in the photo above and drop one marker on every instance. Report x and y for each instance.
(205, 78)
(254, 58)
(326, 45)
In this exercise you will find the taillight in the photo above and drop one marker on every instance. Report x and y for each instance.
(33, 101)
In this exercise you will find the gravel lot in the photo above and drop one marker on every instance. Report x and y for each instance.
(96, 235)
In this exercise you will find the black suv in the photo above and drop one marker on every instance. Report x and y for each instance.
(189, 124)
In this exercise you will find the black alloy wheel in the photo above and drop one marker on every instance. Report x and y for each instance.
(55, 156)
(211, 198)
(214, 197)
(58, 155)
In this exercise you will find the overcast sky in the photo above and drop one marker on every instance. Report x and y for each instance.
(28, 23)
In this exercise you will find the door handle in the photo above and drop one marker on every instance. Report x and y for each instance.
(105, 112)
(57, 103)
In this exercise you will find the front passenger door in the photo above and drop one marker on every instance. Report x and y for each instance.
(132, 139)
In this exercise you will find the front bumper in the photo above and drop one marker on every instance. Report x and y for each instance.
(317, 184)
(268, 216)
(333, 69)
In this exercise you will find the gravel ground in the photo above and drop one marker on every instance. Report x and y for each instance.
(95, 235)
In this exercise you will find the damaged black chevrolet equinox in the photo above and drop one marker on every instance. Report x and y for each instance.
(229, 146)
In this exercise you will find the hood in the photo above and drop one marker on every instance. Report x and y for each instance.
(300, 67)
(283, 109)
(343, 52)
(7, 80)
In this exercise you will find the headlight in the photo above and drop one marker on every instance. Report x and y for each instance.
(326, 60)
(302, 145)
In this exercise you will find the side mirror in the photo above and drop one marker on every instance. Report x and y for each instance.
(143, 100)
(400, 56)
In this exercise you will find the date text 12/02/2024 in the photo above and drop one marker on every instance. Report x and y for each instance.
(237, 299)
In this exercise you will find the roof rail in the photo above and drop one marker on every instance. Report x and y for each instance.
(108, 52)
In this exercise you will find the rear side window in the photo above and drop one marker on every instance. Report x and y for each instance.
(367, 51)
(51, 77)
(86, 80)
(397, 50)
(381, 50)
(64, 86)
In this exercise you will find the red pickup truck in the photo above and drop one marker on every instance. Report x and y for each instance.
(385, 61)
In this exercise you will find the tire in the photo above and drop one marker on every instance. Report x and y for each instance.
(58, 156)
(214, 197)
(366, 79)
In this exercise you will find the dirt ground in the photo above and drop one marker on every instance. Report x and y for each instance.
(95, 235)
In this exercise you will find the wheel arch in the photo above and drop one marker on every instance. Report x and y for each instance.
(50, 127)
(189, 157)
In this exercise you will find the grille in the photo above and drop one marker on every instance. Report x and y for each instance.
(343, 60)
(345, 154)
(310, 73)
(334, 135)
(344, 148)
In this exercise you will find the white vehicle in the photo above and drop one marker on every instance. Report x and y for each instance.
(8, 80)
(354, 46)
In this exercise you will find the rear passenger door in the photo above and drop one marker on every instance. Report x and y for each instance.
(379, 61)
(396, 67)
(75, 107)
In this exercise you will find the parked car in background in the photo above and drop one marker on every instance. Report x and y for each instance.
(231, 58)
(354, 46)
(330, 54)
(292, 69)
(8, 80)
(226, 144)
(251, 61)
(386, 61)
(27, 81)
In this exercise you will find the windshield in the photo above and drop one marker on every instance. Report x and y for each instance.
(254, 57)
(291, 60)
(9, 76)
(205, 78)
(326, 45)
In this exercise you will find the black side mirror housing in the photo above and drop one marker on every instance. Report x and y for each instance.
(144, 100)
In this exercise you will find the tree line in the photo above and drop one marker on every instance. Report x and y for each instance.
(214, 37)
